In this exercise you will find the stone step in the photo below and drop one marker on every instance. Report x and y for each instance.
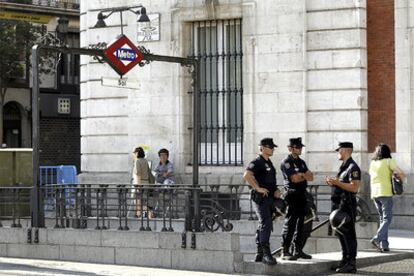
(313, 246)
(321, 263)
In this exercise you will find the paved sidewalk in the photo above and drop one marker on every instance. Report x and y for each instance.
(17, 266)
(403, 267)
(401, 239)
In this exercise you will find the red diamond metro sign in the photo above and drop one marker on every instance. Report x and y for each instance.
(123, 55)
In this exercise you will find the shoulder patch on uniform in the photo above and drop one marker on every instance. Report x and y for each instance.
(251, 166)
(355, 174)
(287, 165)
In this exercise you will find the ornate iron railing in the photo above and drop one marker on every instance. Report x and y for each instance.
(100, 206)
(14, 204)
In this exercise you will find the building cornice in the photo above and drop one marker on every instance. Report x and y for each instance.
(38, 9)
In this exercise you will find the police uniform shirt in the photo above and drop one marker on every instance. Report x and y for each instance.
(348, 171)
(291, 166)
(264, 173)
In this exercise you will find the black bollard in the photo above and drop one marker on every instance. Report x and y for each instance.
(184, 239)
(193, 240)
(29, 235)
(36, 235)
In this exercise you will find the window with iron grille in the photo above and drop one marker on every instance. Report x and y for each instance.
(218, 46)
(69, 64)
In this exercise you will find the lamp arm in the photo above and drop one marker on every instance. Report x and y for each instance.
(108, 15)
(137, 12)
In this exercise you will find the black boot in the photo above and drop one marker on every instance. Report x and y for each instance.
(349, 267)
(286, 255)
(302, 255)
(339, 265)
(267, 256)
(259, 254)
(299, 254)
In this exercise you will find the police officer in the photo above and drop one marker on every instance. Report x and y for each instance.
(261, 176)
(296, 176)
(344, 188)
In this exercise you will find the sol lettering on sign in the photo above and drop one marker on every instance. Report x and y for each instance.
(120, 83)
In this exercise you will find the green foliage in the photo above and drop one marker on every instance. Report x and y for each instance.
(16, 40)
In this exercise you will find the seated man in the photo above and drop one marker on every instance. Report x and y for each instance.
(164, 172)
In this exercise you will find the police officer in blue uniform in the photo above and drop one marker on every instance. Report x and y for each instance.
(344, 188)
(260, 174)
(296, 176)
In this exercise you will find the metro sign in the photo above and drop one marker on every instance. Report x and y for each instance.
(123, 55)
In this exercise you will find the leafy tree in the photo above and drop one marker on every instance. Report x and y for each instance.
(16, 40)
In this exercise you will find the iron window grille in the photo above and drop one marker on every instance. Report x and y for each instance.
(69, 64)
(218, 46)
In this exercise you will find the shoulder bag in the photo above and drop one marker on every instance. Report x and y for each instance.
(397, 184)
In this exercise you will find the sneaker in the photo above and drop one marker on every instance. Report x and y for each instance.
(376, 245)
(385, 249)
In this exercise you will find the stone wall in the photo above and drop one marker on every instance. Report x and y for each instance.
(214, 252)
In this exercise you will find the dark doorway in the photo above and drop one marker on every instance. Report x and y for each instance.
(12, 125)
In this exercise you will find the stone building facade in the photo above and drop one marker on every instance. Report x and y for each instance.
(59, 131)
(327, 71)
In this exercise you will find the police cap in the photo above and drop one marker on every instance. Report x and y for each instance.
(296, 142)
(345, 145)
(268, 142)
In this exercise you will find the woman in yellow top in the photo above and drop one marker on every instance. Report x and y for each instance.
(381, 169)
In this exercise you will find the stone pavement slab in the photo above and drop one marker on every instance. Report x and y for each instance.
(320, 263)
(17, 266)
(402, 267)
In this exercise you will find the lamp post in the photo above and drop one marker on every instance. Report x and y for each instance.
(37, 210)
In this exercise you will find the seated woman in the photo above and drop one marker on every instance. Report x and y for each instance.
(164, 172)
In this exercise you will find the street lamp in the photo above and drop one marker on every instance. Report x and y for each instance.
(62, 28)
(61, 31)
(105, 13)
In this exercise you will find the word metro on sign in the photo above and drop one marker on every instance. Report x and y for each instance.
(126, 54)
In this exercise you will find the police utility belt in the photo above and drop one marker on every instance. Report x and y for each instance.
(343, 199)
(256, 197)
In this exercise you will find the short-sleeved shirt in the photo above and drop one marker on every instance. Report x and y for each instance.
(290, 166)
(264, 173)
(141, 169)
(348, 172)
(380, 172)
(163, 168)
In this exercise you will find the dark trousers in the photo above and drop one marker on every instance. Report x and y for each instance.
(293, 224)
(348, 237)
(265, 227)
(307, 230)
